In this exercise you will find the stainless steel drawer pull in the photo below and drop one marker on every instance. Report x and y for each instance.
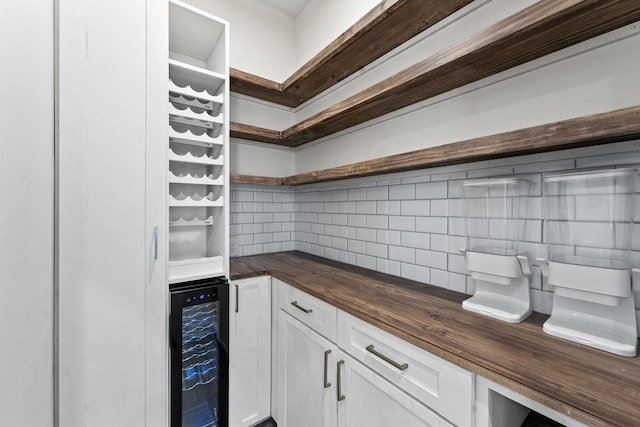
(237, 299)
(299, 307)
(326, 361)
(401, 366)
(339, 388)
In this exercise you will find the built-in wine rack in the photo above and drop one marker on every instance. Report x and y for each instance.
(197, 144)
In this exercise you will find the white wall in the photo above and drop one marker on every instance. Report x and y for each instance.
(249, 158)
(322, 21)
(261, 38)
(26, 213)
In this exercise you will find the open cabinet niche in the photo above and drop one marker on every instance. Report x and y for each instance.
(198, 176)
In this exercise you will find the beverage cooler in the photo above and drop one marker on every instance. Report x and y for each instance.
(198, 336)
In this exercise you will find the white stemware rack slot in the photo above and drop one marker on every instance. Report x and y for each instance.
(190, 158)
(194, 222)
(192, 202)
(189, 117)
(195, 180)
(189, 137)
(187, 91)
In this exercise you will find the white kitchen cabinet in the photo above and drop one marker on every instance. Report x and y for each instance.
(370, 378)
(368, 400)
(306, 374)
(249, 351)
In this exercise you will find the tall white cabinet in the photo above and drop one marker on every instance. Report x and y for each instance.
(197, 143)
(111, 132)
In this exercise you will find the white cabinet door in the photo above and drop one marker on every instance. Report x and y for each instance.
(249, 351)
(306, 376)
(368, 400)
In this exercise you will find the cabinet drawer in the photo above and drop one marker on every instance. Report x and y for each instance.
(442, 386)
(317, 314)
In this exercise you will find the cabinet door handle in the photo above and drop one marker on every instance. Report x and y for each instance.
(237, 299)
(326, 361)
(341, 396)
(299, 307)
(155, 243)
(401, 366)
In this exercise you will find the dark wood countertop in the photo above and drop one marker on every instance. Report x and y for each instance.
(592, 386)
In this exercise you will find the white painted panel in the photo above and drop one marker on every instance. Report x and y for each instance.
(26, 213)
(102, 213)
(260, 113)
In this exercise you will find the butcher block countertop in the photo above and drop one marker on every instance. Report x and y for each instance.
(592, 386)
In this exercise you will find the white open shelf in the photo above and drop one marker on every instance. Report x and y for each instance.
(196, 76)
(188, 137)
(194, 180)
(190, 158)
(189, 202)
(194, 269)
(181, 222)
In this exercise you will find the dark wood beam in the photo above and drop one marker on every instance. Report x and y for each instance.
(386, 26)
(543, 28)
(254, 133)
(614, 126)
(252, 179)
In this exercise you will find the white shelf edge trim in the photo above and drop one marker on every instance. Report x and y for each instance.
(193, 269)
(189, 137)
(181, 222)
(189, 202)
(191, 69)
(190, 158)
(189, 91)
(189, 179)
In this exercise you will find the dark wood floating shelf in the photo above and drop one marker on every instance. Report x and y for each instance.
(543, 28)
(614, 126)
(385, 27)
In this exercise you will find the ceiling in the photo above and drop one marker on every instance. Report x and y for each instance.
(288, 7)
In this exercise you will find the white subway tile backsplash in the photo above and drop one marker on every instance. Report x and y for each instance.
(415, 207)
(366, 234)
(431, 259)
(357, 194)
(411, 224)
(431, 190)
(457, 282)
(377, 249)
(402, 192)
(399, 253)
(368, 207)
(439, 207)
(402, 223)
(415, 240)
(357, 246)
(357, 220)
(431, 225)
(439, 242)
(378, 221)
(414, 272)
(378, 193)
(366, 261)
(439, 278)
